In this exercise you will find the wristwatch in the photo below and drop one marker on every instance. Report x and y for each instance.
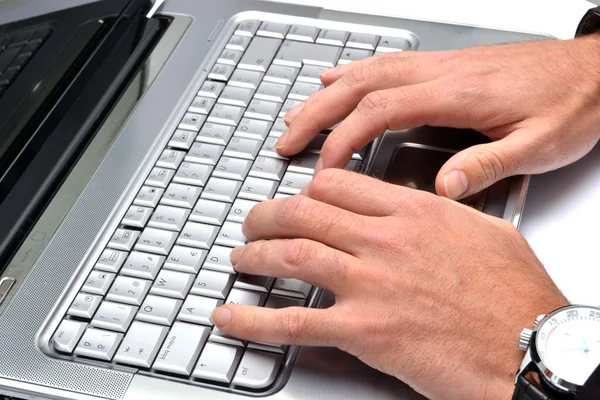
(590, 22)
(563, 350)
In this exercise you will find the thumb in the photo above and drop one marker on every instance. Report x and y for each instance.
(478, 167)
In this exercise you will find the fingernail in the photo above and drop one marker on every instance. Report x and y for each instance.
(456, 184)
(329, 71)
(290, 115)
(236, 255)
(220, 317)
(280, 145)
(318, 166)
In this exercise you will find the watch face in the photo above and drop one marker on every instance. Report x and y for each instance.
(568, 343)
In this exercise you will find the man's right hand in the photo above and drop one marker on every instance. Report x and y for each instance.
(538, 101)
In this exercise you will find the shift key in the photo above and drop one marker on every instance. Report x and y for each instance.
(181, 348)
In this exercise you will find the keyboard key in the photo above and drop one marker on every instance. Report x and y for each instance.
(242, 148)
(84, 306)
(303, 90)
(98, 343)
(218, 260)
(170, 159)
(211, 89)
(240, 209)
(159, 310)
(248, 28)
(98, 282)
(230, 57)
(365, 41)
(257, 369)
(172, 284)
(349, 55)
(142, 265)
(304, 163)
(291, 287)
(221, 189)
(198, 235)
(156, 241)
(279, 126)
(67, 335)
(221, 72)
(273, 29)
(181, 348)
(141, 344)
(226, 114)
(281, 74)
(218, 362)
(333, 37)
(185, 259)
(137, 216)
(179, 195)
(160, 177)
(197, 309)
(259, 54)
(192, 174)
(148, 196)
(204, 153)
(182, 139)
(262, 109)
(215, 134)
(169, 218)
(236, 96)
(114, 316)
(268, 149)
(111, 260)
(210, 212)
(202, 105)
(231, 235)
(389, 43)
(295, 54)
(303, 33)
(254, 282)
(258, 189)
(311, 74)
(253, 129)
(237, 42)
(123, 239)
(292, 182)
(129, 290)
(191, 122)
(213, 284)
(7, 56)
(246, 78)
(268, 168)
(232, 168)
(272, 92)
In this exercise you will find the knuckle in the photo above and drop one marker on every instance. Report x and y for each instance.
(357, 77)
(296, 252)
(492, 165)
(292, 210)
(324, 180)
(373, 102)
(257, 253)
(292, 325)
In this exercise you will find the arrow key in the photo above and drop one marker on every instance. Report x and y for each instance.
(218, 362)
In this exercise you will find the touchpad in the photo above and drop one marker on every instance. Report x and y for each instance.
(416, 166)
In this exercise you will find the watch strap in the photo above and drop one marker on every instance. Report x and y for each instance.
(590, 22)
(525, 390)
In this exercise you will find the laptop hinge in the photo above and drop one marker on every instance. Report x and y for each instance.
(155, 7)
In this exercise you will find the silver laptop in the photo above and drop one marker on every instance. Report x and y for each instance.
(109, 293)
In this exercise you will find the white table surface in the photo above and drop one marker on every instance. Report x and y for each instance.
(562, 214)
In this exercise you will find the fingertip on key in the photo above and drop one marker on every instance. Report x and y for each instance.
(281, 143)
(290, 115)
(220, 317)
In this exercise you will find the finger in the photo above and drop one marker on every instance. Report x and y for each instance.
(430, 103)
(291, 325)
(499, 222)
(340, 98)
(476, 168)
(303, 259)
(302, 217)
(357, 193)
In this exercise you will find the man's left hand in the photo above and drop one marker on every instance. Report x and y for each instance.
(427, 290)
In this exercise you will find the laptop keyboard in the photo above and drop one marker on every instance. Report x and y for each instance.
(16, 49)
(147, 302)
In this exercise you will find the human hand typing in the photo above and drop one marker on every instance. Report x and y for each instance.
(539, 101)
(427, 290)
